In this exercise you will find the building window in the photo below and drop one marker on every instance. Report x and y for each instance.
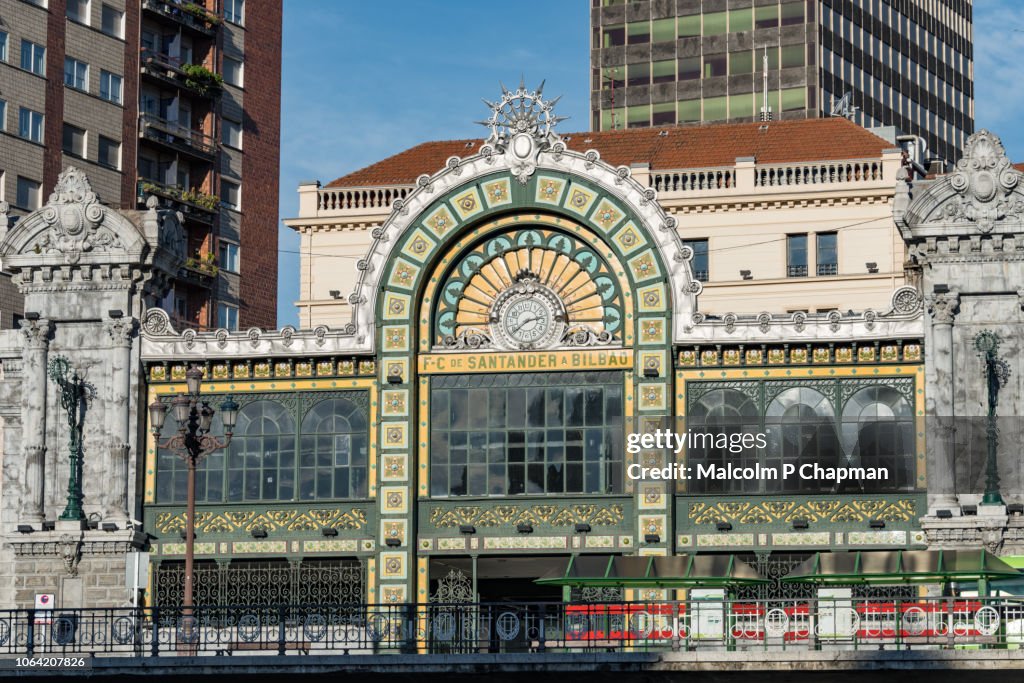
(663, 30)
(333, 452)
(228, 257)
(30, 125)
(231, 195)
(796, 255)
(716, 108)
(74, 141)
(828, 253)
(523, 434)
(689, 68)
(109, 152)
(741, 62)
(112, 21)
(689, 111)
(792, 55)
(663, 114)
(714, 65)
(689, 27)
(792, 13)
(28, 195)
(715, 23)
(234, 11)
(78, 10)
(3, 115)
(233, 71)
(270, 460)
(794, 98)
(639, 73)
(33, 57)
(700, 258)
(227, 316)
(3, 46)
(638, 32)
(614, 35)
(231, 132)
(663, 71)
(111, 87)
(76, 74)
(766, 17)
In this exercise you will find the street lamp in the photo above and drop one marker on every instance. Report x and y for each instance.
(997, 374)
(192, 444)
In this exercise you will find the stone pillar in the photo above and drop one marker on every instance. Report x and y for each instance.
(33, 417)
(943, 308)
(118, 414)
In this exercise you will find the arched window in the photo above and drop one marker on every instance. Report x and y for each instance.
(261, 457)
(334, 456)
(722, 413)
(800, 426)
(878, 431)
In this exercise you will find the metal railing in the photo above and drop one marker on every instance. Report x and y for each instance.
(179, 137)
(507, 627)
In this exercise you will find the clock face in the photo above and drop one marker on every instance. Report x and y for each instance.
(527, 320)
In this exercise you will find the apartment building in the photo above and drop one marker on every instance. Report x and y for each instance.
(149, 97)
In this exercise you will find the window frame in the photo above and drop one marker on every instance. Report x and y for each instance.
(227, 308)
(824, 267)
(232, 263)
(241, 71)
(78, 82)
(84, 136)
(234, 206)
(237, 17)
(32, 124)
(33, 54)
(85, 20)
(18, 189)
(101, 139)
(106, 78)
(793, 267)
(119, 33)
(228, 124)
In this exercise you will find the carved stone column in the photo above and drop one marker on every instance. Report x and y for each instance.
(943, 308)
(120, 331)
(33, 417)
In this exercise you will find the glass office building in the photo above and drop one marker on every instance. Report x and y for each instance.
(903, 63)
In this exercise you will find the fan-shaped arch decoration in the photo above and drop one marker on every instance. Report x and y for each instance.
(527, 289)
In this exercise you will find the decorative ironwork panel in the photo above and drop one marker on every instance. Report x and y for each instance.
(775, 566)
(265, 582)
(591, 594)
(454, 587)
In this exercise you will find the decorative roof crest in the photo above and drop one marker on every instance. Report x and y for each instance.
(74, 214)
(522, 125)
(984, 180)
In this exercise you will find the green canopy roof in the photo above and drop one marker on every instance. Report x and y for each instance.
(681, 571)
(901, 566)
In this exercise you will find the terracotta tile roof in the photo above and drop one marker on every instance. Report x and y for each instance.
(682, 147)
(1019, 166)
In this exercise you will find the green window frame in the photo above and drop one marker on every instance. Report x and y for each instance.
(716, 108)
(794, 98)
(792, 55)
(766, 16)
(831, 422)
(741, 19)
(638, 32)
(663, 71)
(741, 62)
(741, 105)
(526, 434)
(688, 111)
(271, 460)
(715, 23)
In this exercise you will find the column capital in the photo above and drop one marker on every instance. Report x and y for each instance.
(943, 307)
(36, 333)
(119, 330)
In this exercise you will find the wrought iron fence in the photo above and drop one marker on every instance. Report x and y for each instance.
(508, 627)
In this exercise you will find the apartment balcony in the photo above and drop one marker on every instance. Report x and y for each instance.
(195, 205)
(177, 138)
(189, 15)
(198, 272)
(171, 71)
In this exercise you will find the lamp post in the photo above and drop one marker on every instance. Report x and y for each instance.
(192, 444)
(72, 391)
(997, 373)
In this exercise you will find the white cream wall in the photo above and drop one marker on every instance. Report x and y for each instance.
(746, 226)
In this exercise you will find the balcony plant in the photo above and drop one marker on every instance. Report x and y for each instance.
(201, 13)
(202, 80)
(205, 265)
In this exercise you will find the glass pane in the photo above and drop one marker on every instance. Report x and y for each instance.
(689, 26)
(689, 110)
(715, 109)
(714, 23)
(663, 30)
(741, 62)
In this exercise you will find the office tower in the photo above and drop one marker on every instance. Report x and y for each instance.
(902, 63)
(180, 100)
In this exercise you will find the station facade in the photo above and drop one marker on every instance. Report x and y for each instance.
(514, 316)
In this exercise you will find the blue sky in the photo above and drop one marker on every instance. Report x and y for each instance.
(364, 80)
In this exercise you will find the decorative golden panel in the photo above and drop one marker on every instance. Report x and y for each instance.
(498, 192)
(392, 566)
(394, 467)
(392, 594)
(549, 190)
(552, 515)
(394, 500)
(394, 402)
(441, 221)
(404, 274)
(396, 338)
(766, 512)
(467, 203)
(607, 215)
(290, 520)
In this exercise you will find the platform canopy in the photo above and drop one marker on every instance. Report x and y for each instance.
(901, 566)
(681, 571)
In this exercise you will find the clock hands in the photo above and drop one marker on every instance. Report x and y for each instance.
(523, 323)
